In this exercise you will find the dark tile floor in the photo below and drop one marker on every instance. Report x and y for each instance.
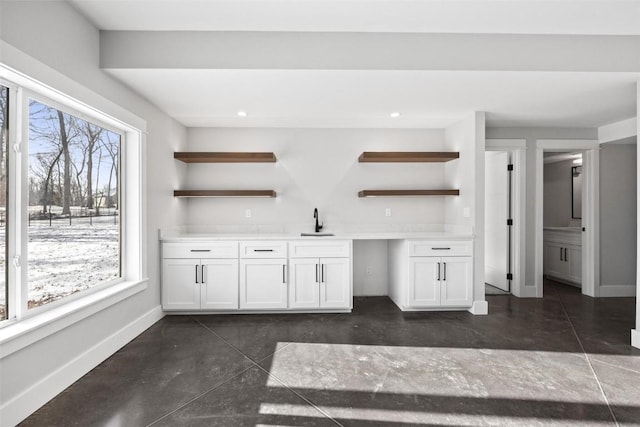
(562, 360)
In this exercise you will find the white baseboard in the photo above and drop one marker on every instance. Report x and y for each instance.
(617, 291)
(27, 402)
(479, 308)
(526, 292)
(635, 338)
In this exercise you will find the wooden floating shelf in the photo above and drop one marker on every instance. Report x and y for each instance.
(407, 156)
(224, 157)
(405, 193)
(224, 193)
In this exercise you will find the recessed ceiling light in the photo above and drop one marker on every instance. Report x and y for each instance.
(395, 114)
(242, 113)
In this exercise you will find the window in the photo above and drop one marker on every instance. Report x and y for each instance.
(71, 206)
(4, 138)
(73, 225)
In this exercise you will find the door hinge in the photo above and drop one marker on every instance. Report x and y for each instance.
(509, 276)
(510, 221)
(509, 168)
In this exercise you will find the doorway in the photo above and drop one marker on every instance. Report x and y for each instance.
(588, 261)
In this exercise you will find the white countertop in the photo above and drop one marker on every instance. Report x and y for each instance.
(188, 236)
(566, 229)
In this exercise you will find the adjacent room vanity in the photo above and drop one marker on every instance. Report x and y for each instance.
(563, 254)
(279, 273)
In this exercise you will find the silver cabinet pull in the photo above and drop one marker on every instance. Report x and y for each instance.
(196, 273)
(202, 274)
(317, 267)
(444, 264)
(438, 271)
(284, 267)
(200, 250)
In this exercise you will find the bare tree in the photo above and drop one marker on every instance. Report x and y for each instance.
(64, 142)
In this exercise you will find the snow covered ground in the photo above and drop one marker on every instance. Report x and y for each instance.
(65, 259)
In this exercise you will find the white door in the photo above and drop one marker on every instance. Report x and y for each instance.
(179, 288)
(457, 281)
(424, 286)
(496, 231)
(219, 288)
(263, 283)
(304, 283)
(335, 286)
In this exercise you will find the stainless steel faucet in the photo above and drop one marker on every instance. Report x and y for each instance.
(318, 226)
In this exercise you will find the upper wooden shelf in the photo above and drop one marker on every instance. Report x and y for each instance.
(224, 193)
(224, 157)
(407, 156)
(405, 193)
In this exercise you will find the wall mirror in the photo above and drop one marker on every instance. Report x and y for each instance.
(576, 192)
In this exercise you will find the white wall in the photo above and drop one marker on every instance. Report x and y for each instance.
(63, 53)
(618, 212)
(370, 268)
(467, 175)
(557, 193)
(531, 135)
(315, 168)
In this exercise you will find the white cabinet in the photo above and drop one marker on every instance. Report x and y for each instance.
(263, 275)
(192, 282)
(431, 282)
(563, 254)
(320, 275)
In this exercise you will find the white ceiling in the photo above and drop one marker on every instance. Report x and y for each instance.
(365, 98)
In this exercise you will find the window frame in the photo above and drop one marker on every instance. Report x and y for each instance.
(27, 96)
(24, 327)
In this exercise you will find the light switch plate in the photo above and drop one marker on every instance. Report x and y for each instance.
(387, 212)
(247, 213)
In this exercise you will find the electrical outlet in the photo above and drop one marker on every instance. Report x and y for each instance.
(387, 212)
(369, 271)
(247, 213)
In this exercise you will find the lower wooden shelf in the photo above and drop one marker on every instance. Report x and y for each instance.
(404, 193)
(224, 193)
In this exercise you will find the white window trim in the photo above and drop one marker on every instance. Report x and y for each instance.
(24, 329)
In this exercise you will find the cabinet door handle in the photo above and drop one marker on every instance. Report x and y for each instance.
(317, 267)
(284, 272)
(321, 273)
(438, 271)
(565, 255)
(263, 250)
(444, 264)
(196, 273)
(202, 274)
(440, 249)
(200, 250)
(561, 254)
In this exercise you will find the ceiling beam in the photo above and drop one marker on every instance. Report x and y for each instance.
(367, 51)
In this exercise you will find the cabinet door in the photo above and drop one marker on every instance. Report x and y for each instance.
(554, 264)
(179, 288)
(574, 261)
(263, 283)
(456, 281)
(424, 287)
(304, 286)
(335, 283)
(219, 289)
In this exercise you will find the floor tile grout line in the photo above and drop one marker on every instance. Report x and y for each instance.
(586, 355)
(269, 374)
(199, 396)
(322, 411)
(613, 365)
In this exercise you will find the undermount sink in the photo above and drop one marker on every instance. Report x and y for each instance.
(316, 234)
